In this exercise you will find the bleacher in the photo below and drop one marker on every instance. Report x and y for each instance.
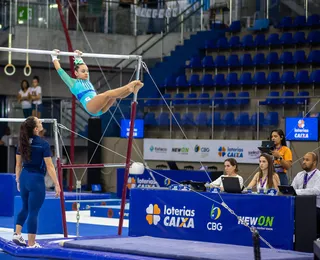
(273, 68)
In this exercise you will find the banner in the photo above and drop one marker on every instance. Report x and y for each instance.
(187, 215)
(244, 151)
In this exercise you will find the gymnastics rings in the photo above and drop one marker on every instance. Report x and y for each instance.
(27, 70)
(9, 65)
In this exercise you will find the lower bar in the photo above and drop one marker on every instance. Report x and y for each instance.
(90, 166)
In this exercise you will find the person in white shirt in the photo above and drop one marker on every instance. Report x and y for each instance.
(266, 178)
(231, 170)
(307, 182)
(24, 98)
(36, 97)
(5, 139)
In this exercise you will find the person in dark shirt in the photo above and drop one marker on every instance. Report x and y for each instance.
(33, 160)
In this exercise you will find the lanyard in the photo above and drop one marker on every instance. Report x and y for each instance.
(263, 183)
(307, 179)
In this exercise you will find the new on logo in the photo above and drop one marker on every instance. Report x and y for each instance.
(153, 214)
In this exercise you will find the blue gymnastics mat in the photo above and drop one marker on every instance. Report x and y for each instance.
(181, 249)
(82, 196)
(51, 250)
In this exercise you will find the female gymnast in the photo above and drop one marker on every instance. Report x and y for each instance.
(84, 91)
(33, 159)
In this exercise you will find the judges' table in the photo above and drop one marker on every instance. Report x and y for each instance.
(191, 216)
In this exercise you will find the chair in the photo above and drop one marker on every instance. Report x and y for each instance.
(247, 42)
(299, 38)
(254, 119)
(302, 98)
(242, 119)
(228, 119)
(218, 98)
(299, 22)
(243, 98)
(245, 79)
(220, 61)
(169, 82)
(235, 27)
(259, 60)
(313, 21)
(181, 82)
(195, 63)
(176, 119)
(219, 80)
(315, 77)
(207, 81)
(313, 37)
(230, 99)
(274, 78)
(259, 78)
(287, 78)
(273, 40)
(302, 77)
(207, 62)
(272, 119)
(204, 99)
(222, 43)
(285, 23)
(233, 61)
(260, 41)
(163, 119)
(272, 59)
(201, 119)
(152, 102)
(217, 121)
(246, 60)
(314, 57)
(191, 99)
(272, 99)
(232, 79)
(260, 25)
(299, 57)
(188, 119)
(234, 42)
(286, 58)
(286, 39)
(178, 99)
(166, 99)
(150, 120)
(287, 98)
(194, 80)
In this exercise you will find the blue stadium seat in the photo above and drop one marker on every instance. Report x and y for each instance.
(195, 63)
(246, 79)
(207, 62)
(299, 38)
(242, 119)
(274, 78)
(150, 120)
(201, 119)
(163, 119)
(169, 82)
(247, 41)
(228, 119)
(315, 77)
(209, 45)
(219, 80)
(260, 25)
(178, 99)
(222, 43)
(260, 41)
(299, 22)
(314, 57)
(299, 57)
(220, 61)
(232, 79)
(176, 119)
(234, 42)
(218, 98)
(286, 58)
(166, 97)
(191, 99)
(233, 61)
(194, 80)
(235, 27)
(272, 119)
(287, 78)
(302, 98)
(246, 60)
(139, 115)
(181, 82)
(259, 60)
(230, 99)
(254, 119)
(285, 23)
(273, 40)
(188, 119)
(313, 21)
(152, 102)
(204, 99)
(243, 98)
(272, 59)
(313, 37)
(216, 119)
(287, 98)
(286, 39)
(272, 99)
(259, 78)
(207, 81)
(302, 77)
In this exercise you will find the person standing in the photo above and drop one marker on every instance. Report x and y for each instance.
(33, 159)
(36, 97)
(24, 98)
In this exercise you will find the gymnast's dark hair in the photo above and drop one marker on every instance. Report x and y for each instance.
(26, 132)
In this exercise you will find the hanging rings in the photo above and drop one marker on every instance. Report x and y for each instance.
(9, 65)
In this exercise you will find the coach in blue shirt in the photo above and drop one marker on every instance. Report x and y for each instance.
(33, 159)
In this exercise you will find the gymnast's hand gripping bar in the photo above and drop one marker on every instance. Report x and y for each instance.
(63, 53)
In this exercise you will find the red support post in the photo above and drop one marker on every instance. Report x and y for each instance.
(63, 210)
(128, 159)
(73, 111)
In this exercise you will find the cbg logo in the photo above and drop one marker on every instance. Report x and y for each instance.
(215, 214)
(153, 214)
(197, 149)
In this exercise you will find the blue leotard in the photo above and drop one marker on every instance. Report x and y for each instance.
(81, 88)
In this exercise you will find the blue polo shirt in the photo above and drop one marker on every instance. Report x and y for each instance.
(40, 149)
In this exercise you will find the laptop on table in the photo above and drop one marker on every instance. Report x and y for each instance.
(231, 184)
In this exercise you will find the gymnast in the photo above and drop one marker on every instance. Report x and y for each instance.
(33, 160)
(84, 91)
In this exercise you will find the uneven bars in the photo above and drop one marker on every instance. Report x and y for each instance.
(20, 120)
(63, 53)
(90, 166)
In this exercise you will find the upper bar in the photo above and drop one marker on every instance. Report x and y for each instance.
(63, 53)
(20, 120)
(99, 165)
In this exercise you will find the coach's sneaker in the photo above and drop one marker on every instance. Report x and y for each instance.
(18, 239)
(36, 245)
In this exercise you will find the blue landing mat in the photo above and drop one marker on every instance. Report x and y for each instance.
(181, 249)
(52, 250)
(82, 196)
